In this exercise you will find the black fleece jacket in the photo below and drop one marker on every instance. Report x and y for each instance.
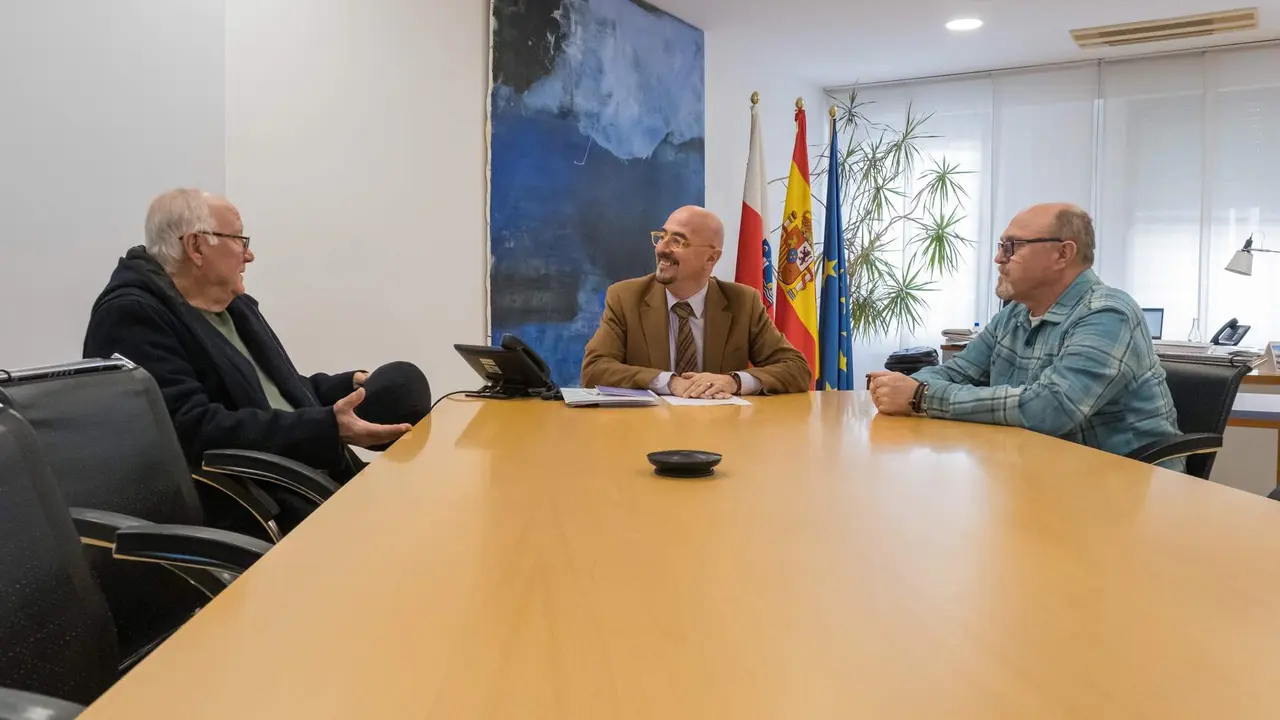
(211, 389)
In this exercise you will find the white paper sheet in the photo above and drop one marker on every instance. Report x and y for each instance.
(673, 400)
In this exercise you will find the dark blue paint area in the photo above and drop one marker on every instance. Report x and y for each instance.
(567, 219)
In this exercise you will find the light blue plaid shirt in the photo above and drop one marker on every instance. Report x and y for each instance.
(1087, 372)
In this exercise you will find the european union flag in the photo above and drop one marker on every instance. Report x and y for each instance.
(835, 345)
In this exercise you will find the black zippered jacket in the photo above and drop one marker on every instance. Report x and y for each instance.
(211, 390)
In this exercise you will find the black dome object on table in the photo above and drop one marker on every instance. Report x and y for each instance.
(395, 393)
(688, 464)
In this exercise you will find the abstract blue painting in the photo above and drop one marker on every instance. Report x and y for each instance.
(596, 135)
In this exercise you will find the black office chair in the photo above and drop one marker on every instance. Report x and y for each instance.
(116, 458)
(19, 705)
(57, 634)
(55, 628)
(1203, 396)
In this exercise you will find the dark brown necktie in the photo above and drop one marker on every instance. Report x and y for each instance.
(686, 350)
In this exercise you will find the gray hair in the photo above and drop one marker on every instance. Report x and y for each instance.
(171, 216)
(1074, 224)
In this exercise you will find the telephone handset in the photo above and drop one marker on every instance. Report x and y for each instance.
(511, 342)
(1230, 334)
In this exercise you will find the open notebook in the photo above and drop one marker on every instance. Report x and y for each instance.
(608, 397)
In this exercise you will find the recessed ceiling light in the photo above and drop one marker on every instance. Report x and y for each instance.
(962, 24)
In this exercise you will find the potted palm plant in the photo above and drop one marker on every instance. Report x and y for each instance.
(895, 197)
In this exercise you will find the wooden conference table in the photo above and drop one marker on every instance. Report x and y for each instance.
(520, 560)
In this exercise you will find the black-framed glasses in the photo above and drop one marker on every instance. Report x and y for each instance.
(1009, 247)
(676, 240)
(244, 239)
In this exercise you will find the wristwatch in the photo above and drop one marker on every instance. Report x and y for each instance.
(737, 381)
(917, 400)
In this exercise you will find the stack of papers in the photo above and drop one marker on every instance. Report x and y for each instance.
(957, 334)
(1208, 354)
(608, 397)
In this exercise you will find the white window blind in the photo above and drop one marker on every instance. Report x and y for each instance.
(1174, 157)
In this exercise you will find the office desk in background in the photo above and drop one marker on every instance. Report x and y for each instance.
(519, 559)
(1250, 458)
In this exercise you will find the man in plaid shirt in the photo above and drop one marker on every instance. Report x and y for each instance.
(1069, 356)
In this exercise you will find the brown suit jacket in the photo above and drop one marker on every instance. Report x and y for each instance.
(631, 346)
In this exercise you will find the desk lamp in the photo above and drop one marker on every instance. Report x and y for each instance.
(1242, 262)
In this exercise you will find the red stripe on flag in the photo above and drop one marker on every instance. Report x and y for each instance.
(800, 154)
(804, 342)
(750, 269)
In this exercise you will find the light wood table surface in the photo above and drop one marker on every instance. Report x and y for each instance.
(520, 560)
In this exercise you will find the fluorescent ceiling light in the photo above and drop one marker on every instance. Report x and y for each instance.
(962, 24)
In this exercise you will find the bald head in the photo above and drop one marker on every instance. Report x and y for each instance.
(1045, 248)
(700, 224)
(1058, 220)
(694, 240)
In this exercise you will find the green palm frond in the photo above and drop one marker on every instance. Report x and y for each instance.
(937, 241)
(903, 226)
(941, 185)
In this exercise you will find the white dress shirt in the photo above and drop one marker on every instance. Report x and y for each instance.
(697, 325)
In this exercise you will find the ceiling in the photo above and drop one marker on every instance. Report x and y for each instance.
(841, 42)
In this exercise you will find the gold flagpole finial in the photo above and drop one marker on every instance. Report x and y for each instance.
(799, 103)
(833, 112)
(755, 99)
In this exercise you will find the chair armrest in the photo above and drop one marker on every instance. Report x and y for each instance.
(190, 546)
(99, 527)
(249, 495)
(184, 545)
(21, 705)
(265, 467)
(1177, 446)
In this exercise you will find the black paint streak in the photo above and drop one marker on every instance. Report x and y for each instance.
(528, 298)
(526, 40)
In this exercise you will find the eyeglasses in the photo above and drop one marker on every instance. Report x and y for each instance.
(244, 239)
(676, 240)
(1008, 247)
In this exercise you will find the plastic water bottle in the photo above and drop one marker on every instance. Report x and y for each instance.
(975, 328)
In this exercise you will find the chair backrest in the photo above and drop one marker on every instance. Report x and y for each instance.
(111, 445)
(108, 438)
(1203, 396)
(56, 634)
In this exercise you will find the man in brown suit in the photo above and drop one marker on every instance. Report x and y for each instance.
(681, 332)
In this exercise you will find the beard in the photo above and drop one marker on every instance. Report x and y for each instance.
(666, 274)
(1004, 290)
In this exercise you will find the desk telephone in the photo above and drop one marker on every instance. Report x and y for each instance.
(513, 370)
(1230, 334)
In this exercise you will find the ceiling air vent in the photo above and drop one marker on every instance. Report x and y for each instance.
(1187, 26)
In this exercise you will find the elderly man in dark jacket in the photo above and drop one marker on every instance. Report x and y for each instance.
(178, 308)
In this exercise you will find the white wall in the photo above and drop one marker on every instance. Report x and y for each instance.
(737, 67)
(356, 153)
(351, 135)
(104, 104)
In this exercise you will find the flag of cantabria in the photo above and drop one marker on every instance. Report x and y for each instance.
(835, 346)
(755, 266)
(797, 305)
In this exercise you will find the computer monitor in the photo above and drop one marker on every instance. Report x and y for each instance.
(1155, 321)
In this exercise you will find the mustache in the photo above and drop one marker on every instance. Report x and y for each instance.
(668, 257)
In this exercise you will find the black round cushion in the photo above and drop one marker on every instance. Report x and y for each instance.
(395, 393)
